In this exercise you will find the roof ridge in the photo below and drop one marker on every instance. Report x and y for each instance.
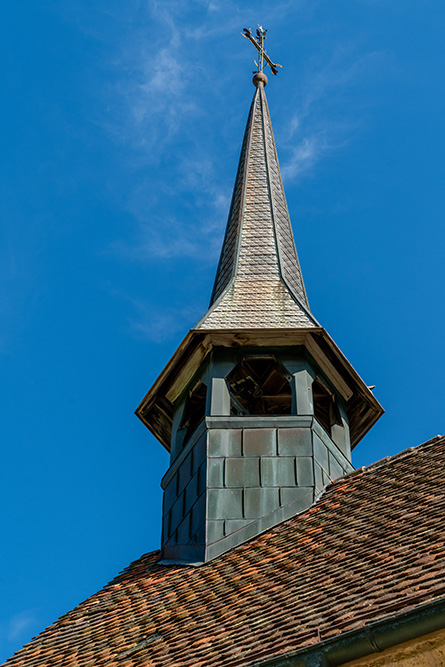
(386, 459)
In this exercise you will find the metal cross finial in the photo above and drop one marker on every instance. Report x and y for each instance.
(259, 45)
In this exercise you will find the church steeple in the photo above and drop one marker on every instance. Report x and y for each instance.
(258, 281)
(258, 407)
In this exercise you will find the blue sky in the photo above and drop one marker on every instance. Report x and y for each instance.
(122, 124)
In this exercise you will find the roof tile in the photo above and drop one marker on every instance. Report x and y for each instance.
(354, 557)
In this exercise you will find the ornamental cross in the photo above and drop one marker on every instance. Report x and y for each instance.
(259, 45)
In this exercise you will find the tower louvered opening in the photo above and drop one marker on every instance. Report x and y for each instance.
(326, 410)
(260, 386)
(194, 411)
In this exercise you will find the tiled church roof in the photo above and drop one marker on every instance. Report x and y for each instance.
(258, 281)
(371, 547)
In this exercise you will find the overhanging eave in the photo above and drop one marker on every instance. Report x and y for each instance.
(156, 409)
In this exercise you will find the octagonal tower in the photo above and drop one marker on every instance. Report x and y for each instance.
(258, 407)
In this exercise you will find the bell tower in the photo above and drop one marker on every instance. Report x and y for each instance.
(258, 407)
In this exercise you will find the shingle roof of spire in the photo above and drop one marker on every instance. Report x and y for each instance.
(258, 281)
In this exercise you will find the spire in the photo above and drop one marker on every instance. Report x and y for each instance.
(258, 283)
(258, 407)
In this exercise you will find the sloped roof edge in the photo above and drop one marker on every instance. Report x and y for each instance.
(372, 638)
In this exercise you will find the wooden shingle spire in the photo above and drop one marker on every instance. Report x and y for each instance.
(257, 361)
(258, 281)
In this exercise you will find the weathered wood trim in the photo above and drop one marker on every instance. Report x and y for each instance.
(155, 410)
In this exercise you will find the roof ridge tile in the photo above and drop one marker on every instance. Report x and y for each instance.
(381, 462)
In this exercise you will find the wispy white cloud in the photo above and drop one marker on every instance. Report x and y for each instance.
(19, 626)
(171, 112)
(323, 122)
(162, 233)
(303, 156)
(167, 238)
(151, 96)
(158, 121)
(161, 324)
(170, 64)
(167, 69)
(331, 79)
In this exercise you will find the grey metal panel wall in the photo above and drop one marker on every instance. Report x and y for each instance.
(235, 483)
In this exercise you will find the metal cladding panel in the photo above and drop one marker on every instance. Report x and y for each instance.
(184, 506)
(250, 479)
(294, 442)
